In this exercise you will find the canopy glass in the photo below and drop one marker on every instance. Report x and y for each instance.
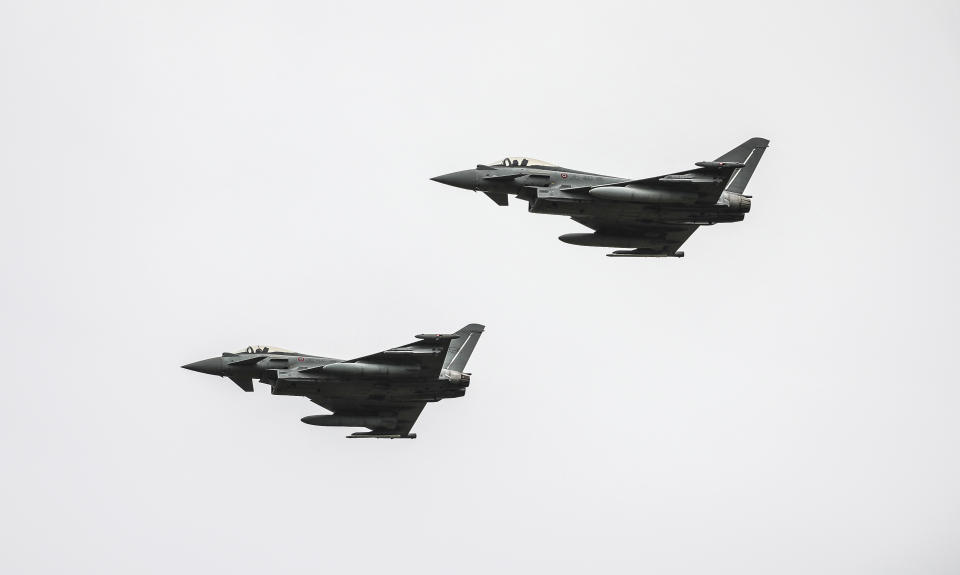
(519, 162)
(265, 349)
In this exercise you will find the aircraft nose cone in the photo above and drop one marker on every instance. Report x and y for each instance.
(213, 366)
(466, 179)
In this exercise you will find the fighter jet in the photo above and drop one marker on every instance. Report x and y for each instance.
(652, 216)
(384, 392)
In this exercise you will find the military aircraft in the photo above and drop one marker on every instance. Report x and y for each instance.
(653, 216)
(384, 392)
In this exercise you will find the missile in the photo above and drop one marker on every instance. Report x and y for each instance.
(382, 436)
(642, 195)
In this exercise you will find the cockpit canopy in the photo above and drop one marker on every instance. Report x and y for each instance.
(266, 349)
(518, 162)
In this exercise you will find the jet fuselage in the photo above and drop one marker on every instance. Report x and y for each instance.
(308, 375)
(565, 192)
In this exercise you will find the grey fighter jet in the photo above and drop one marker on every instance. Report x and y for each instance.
(651, 216)
(384, 392)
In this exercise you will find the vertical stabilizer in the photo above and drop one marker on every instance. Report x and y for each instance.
(460, 349)
(748, 153)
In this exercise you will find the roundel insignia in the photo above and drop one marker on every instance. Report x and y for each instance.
(299, 359)
(564, 176)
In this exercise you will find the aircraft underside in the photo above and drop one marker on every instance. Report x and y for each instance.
(370, 391)
(703, 215)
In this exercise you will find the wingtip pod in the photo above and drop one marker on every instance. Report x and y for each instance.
(437, 336)
(463, 331)
(720, 165)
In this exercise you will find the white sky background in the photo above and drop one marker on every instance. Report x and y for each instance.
(180, 179)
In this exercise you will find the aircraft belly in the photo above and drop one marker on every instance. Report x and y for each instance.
(378, 391)
(605, 209)
(640, 212)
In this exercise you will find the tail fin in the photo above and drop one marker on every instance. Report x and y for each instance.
(749, 154)
(460, 349)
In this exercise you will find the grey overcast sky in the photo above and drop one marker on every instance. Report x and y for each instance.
(184, 178)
